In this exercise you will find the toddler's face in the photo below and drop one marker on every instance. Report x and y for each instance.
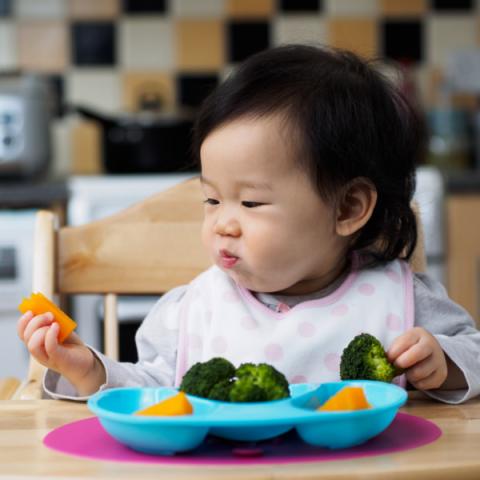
(265, 224)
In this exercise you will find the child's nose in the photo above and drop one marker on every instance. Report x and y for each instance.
(227, 226)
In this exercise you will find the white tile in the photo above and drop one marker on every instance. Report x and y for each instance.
(8, 46)
(97, 88)
(446, 34)
(61, 148)
(40, 8)
(421, 77)
(299, 29)
(351, 7)
(197, 8)
(146, 43)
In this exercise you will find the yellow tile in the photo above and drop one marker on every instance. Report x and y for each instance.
(86, 148)
(200, 44)
(42, 45)
(94, 9)
(403, 7)
(356, 34)
(145, 85)
(250, 8)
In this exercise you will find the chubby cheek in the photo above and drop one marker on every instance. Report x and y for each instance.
(207, 236)
(266, 251)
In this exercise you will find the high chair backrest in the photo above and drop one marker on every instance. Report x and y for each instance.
(149, 248)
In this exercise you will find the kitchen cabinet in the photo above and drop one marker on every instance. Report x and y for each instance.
(463, 251)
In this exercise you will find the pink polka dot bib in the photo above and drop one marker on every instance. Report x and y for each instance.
(220, 318)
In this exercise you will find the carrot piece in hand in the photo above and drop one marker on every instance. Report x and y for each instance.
(348, 398)
(176, 405)
(37, 303)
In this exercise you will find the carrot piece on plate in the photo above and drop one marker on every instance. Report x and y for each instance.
(39, 303)
(176, 405)
(348, 398)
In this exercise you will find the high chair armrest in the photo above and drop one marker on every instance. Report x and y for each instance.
(28, 390)
(8, 387)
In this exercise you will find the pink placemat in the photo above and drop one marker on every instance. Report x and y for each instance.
(87, 438)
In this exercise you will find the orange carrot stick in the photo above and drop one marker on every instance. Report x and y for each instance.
(348, 398)
(38, 304)
(176, 405)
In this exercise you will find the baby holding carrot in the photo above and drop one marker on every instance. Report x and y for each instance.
(308, 162)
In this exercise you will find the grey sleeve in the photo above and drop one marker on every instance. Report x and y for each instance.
(156, 341)
(454, 329)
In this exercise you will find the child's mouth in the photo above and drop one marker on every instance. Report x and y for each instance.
(227, 260)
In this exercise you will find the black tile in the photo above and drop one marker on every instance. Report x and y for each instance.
(403, 40)
(300, 5)
(144, 6)
(452, 5)
(93, 43)
(192, 89)
(247, 38)
(5, 8)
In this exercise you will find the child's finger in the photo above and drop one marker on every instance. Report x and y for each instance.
(35, 323)
(22, 323)
(421, 370)
(427, 383)
(51, 339)
(36, 345)
(415, 354)
(401, 344)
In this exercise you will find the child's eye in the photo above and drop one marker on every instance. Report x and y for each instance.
(211, 201)
(252, 204)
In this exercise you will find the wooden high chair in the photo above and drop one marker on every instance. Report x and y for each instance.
(148, 248)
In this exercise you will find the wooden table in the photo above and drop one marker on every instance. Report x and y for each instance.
(456, 454)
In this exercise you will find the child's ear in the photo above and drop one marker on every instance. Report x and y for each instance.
(355, 206)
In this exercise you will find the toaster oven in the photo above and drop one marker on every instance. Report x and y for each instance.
(24, 127)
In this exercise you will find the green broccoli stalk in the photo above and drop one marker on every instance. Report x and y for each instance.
(364, 358)
(202, 377)
(258, 383)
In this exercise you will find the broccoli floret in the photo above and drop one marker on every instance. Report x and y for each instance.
(201, 378)
(217, 379)
(364, 358)
(258, 383)
(221, 390)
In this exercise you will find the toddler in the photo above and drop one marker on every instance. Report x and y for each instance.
(307, 166)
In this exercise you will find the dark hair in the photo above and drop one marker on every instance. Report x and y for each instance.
(352, 123)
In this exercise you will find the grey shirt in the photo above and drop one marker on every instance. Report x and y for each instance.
(451, 325)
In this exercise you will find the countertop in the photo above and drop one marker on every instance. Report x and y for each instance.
(47, 192)
(462, 182)
(39, 194)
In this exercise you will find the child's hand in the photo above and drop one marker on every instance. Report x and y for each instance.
(71, 359)
(418, 352)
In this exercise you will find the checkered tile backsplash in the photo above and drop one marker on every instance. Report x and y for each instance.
(127, 55)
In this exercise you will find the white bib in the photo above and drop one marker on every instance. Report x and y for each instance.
(219, 318)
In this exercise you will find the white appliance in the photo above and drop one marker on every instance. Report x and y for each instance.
(16, 243)
(94, 198)
(430, 196)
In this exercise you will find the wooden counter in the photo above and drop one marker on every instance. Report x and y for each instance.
(23, 424)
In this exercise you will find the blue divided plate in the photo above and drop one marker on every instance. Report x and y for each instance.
(246, 421)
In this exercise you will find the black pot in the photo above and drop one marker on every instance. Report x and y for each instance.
(144, 143)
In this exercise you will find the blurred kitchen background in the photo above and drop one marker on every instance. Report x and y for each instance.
(97, 99)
